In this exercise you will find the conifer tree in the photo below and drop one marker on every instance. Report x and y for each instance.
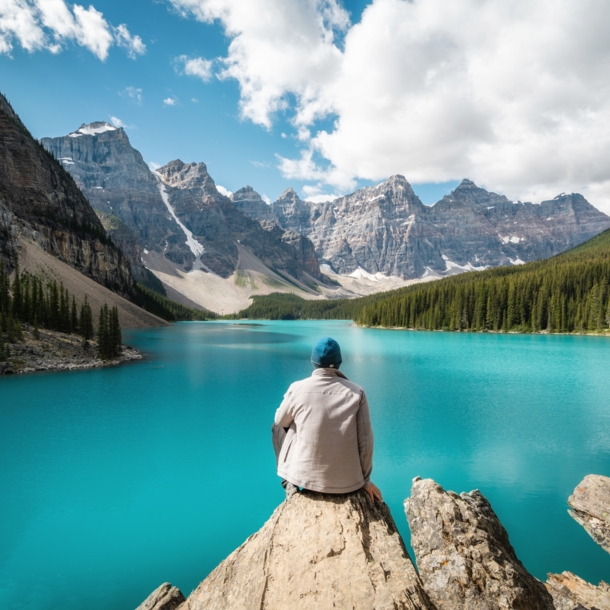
(4, 349)
(73, 316)
(17, 296)
(103, 344)
(86, 321)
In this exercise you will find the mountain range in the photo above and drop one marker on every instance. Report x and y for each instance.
(217, 251)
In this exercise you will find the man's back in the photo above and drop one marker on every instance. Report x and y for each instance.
(329, 445)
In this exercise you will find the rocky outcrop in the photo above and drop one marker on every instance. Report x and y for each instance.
(386, 229)
(590, 504)
(463, 553)
(40, 202)
(570, 592)
(317, 551)
(164, 597)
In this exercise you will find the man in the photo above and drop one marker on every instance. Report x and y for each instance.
(322, 433)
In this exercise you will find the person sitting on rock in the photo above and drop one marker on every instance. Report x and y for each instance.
(322, 435)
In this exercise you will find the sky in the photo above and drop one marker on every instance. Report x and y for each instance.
(328, 96)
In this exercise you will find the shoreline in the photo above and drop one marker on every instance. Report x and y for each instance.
(57, 351)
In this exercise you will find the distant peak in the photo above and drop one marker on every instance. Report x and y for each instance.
(93, 129)
(467, 182)
(246, 192)
(397, 178)
(289, 193)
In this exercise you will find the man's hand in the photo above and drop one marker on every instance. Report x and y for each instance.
(373, 491)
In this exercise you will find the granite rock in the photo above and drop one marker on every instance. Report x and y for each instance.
(463, 553)
(165, 597)
(573, 593)
(590, 504)
(317, 551)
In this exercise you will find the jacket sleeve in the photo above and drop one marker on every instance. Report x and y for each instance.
(284, 415)
(365, 438)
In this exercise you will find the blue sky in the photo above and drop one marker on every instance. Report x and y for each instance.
(55, 93)
(327, 96)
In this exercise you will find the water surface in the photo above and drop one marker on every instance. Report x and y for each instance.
(116, 480)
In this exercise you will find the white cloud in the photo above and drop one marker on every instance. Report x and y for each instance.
(133, 44)
(194, 66)
(315, 194)
(514, 95)
(170, 101)
(266, 199)
(223, 191)
(154, 166)
(134, 94)
(50, 24)
(118, 123)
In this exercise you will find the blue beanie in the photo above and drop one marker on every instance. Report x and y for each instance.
(326, 353)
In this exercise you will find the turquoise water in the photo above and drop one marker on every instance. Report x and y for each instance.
(116, 480)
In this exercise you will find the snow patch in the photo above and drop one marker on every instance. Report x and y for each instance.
(517, 261)
(195, 247)
(511, 239)
(362, 274)
(89, 130)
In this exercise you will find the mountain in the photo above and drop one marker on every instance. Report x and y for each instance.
(49, 226)
(195, 239)
(385, 229)
(41, 202)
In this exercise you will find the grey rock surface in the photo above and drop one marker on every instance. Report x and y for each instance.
(165, 597)
(463, 553)
(317, 551)
(386, 228)
(573, 593)
(248, 201)
(590, 504)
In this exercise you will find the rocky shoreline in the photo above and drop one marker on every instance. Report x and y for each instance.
(49, 350)
(341, 551)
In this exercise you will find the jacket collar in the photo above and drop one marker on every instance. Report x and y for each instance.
(326, 372)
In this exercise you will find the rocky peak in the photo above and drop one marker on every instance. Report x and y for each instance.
(252, 204)
(289, 195)
(187, 176)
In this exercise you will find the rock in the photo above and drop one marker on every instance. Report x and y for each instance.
(317, 551)
(573, 593)
(590, 504)
(463, 553)
(164, 597)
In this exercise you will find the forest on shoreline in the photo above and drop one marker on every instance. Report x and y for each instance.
(569, 293)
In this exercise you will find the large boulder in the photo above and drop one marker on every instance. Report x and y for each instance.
(590, 504)
(317, 551)
(464, 557)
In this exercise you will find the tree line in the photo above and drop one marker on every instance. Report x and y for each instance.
(29, 299)
(567, 293)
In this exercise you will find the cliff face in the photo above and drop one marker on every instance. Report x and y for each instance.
(386, 228)
(40, 202)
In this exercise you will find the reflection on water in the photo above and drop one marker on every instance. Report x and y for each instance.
(116, 480)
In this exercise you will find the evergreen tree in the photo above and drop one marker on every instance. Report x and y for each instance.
(73, 316)
(86, 321)
(103, 337)
(17, 295)
(115, 339)
(4, 349)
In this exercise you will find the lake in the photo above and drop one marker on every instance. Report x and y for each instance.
(116, 480)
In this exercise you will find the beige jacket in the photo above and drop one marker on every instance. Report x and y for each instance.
(329, 444)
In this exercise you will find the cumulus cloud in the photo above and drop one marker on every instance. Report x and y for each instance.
(223, 191)
(118, 123)
(170, 101)
(194, 66)
(133, 94)
(514, 95)
(133, 44)
(50, 24)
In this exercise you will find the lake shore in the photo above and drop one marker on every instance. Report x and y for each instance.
(56, 351)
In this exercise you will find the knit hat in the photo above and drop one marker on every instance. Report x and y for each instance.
(326, 353)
